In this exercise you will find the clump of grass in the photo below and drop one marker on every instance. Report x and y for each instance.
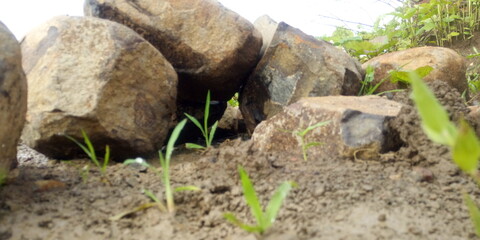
(461, 139)
(90, 151)
(164, 176)
(264, 220)
(208, 133)
(302, 135)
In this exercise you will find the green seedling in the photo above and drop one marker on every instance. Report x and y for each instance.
(461, 139)
(90, 151)
(207, 134)
(264, 219)
(302, 135)
(164, 176)
(234, 101)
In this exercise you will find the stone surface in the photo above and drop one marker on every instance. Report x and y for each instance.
(296, 65)
(99, 76)
(13, 98)
(358, 127)
(267, 27)
(209, 46)
(447, 65)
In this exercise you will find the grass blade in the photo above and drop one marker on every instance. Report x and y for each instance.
(466, 150)
(196, 122)
(106, 159)
(234, 220)
(173, 139)
(212, 133)
(310, 128)
(91, 149)
(251, 197)
(194, 146)
(137, 209)
(206, 114)
(435, 120)
(474, 213)
(186, 188)
(276, 201)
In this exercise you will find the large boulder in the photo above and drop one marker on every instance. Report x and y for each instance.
(296, 65)
(100, 76)
(210, 47)
(13, 98)
(448, 66)
(358, 128)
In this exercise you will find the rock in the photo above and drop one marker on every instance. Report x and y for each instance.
(358, 127)
(447, 65)
(13, 98)
(267, 27)
(296, 65)
(99, 76)
(210, 46)
(232, 120)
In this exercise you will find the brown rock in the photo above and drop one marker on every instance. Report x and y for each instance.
(296, 65)
(210, 46)
(99, 76)
(358, 127)
(447, 65)
(13, 98)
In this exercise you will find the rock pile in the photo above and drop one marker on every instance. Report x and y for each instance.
(127, 71)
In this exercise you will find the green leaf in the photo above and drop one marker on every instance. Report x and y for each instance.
(151, 195)
(311, 127)
(251, 197)
(466, 150)
(206, 114)
(435, 120)
(134, 161)
(106, 159)
(234, 220)
(196, 122)
(312, 144)
(173, 139)
(276, 201)
(212, 133)
(186, 188)
(474, 213)
(91, 150)
(194, 146)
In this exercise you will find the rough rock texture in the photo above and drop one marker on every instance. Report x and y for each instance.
(267, 27)
(210, 46)
(448, 66)
(99, 76)
(358, 126)
(13, 98)
(296, 65)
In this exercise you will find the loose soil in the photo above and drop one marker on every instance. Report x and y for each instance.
(413, 193)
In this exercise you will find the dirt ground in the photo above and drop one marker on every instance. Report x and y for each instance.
(413, 193)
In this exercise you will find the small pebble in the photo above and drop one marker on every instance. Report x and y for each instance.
(382, 217)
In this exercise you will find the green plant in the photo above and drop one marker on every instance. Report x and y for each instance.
(302, 134)
(207, 134)
(462, 140)
(164, 176)
(234, 100)
(264, 219)
(90, 151)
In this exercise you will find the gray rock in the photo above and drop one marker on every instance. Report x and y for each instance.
(296, 65)
(13, 98)
(99, 76)
(358, 127)
(448, 66)
(209, 46)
